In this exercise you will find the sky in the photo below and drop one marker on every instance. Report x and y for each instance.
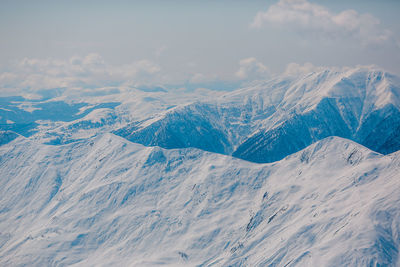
(49, 44)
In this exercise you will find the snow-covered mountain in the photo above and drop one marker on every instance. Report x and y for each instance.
(359, 104)
(262, 122)
(272, 119)
(106, 201)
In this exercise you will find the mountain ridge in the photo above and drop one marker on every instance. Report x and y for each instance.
(106, 201)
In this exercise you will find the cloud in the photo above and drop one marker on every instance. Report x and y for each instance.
(88, 71)
(313, 18)
(295, 69)
(8, 78)
(251, 68)
(202, 78)
(198, 78)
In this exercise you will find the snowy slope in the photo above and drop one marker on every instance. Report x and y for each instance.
(106, 201)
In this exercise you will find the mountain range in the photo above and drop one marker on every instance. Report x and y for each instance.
(290, 171)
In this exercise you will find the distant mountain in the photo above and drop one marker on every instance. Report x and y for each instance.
(68, 115)
(272, 119)
(107, 201)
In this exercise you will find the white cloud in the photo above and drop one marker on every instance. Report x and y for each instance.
(314, 18)
(198, 78)
(89, 71)
(296, 69)
(202, 78)
(93, 60)
(8, 79)
(251, 68)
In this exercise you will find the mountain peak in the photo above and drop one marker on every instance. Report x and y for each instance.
(343, 149)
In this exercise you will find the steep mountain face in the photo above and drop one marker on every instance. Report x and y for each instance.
(195, 125)
(380, 130)
(106, 201)
(7, 136)
(273, 119)
(294, 134)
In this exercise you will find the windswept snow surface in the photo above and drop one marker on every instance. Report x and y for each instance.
(105, 201)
